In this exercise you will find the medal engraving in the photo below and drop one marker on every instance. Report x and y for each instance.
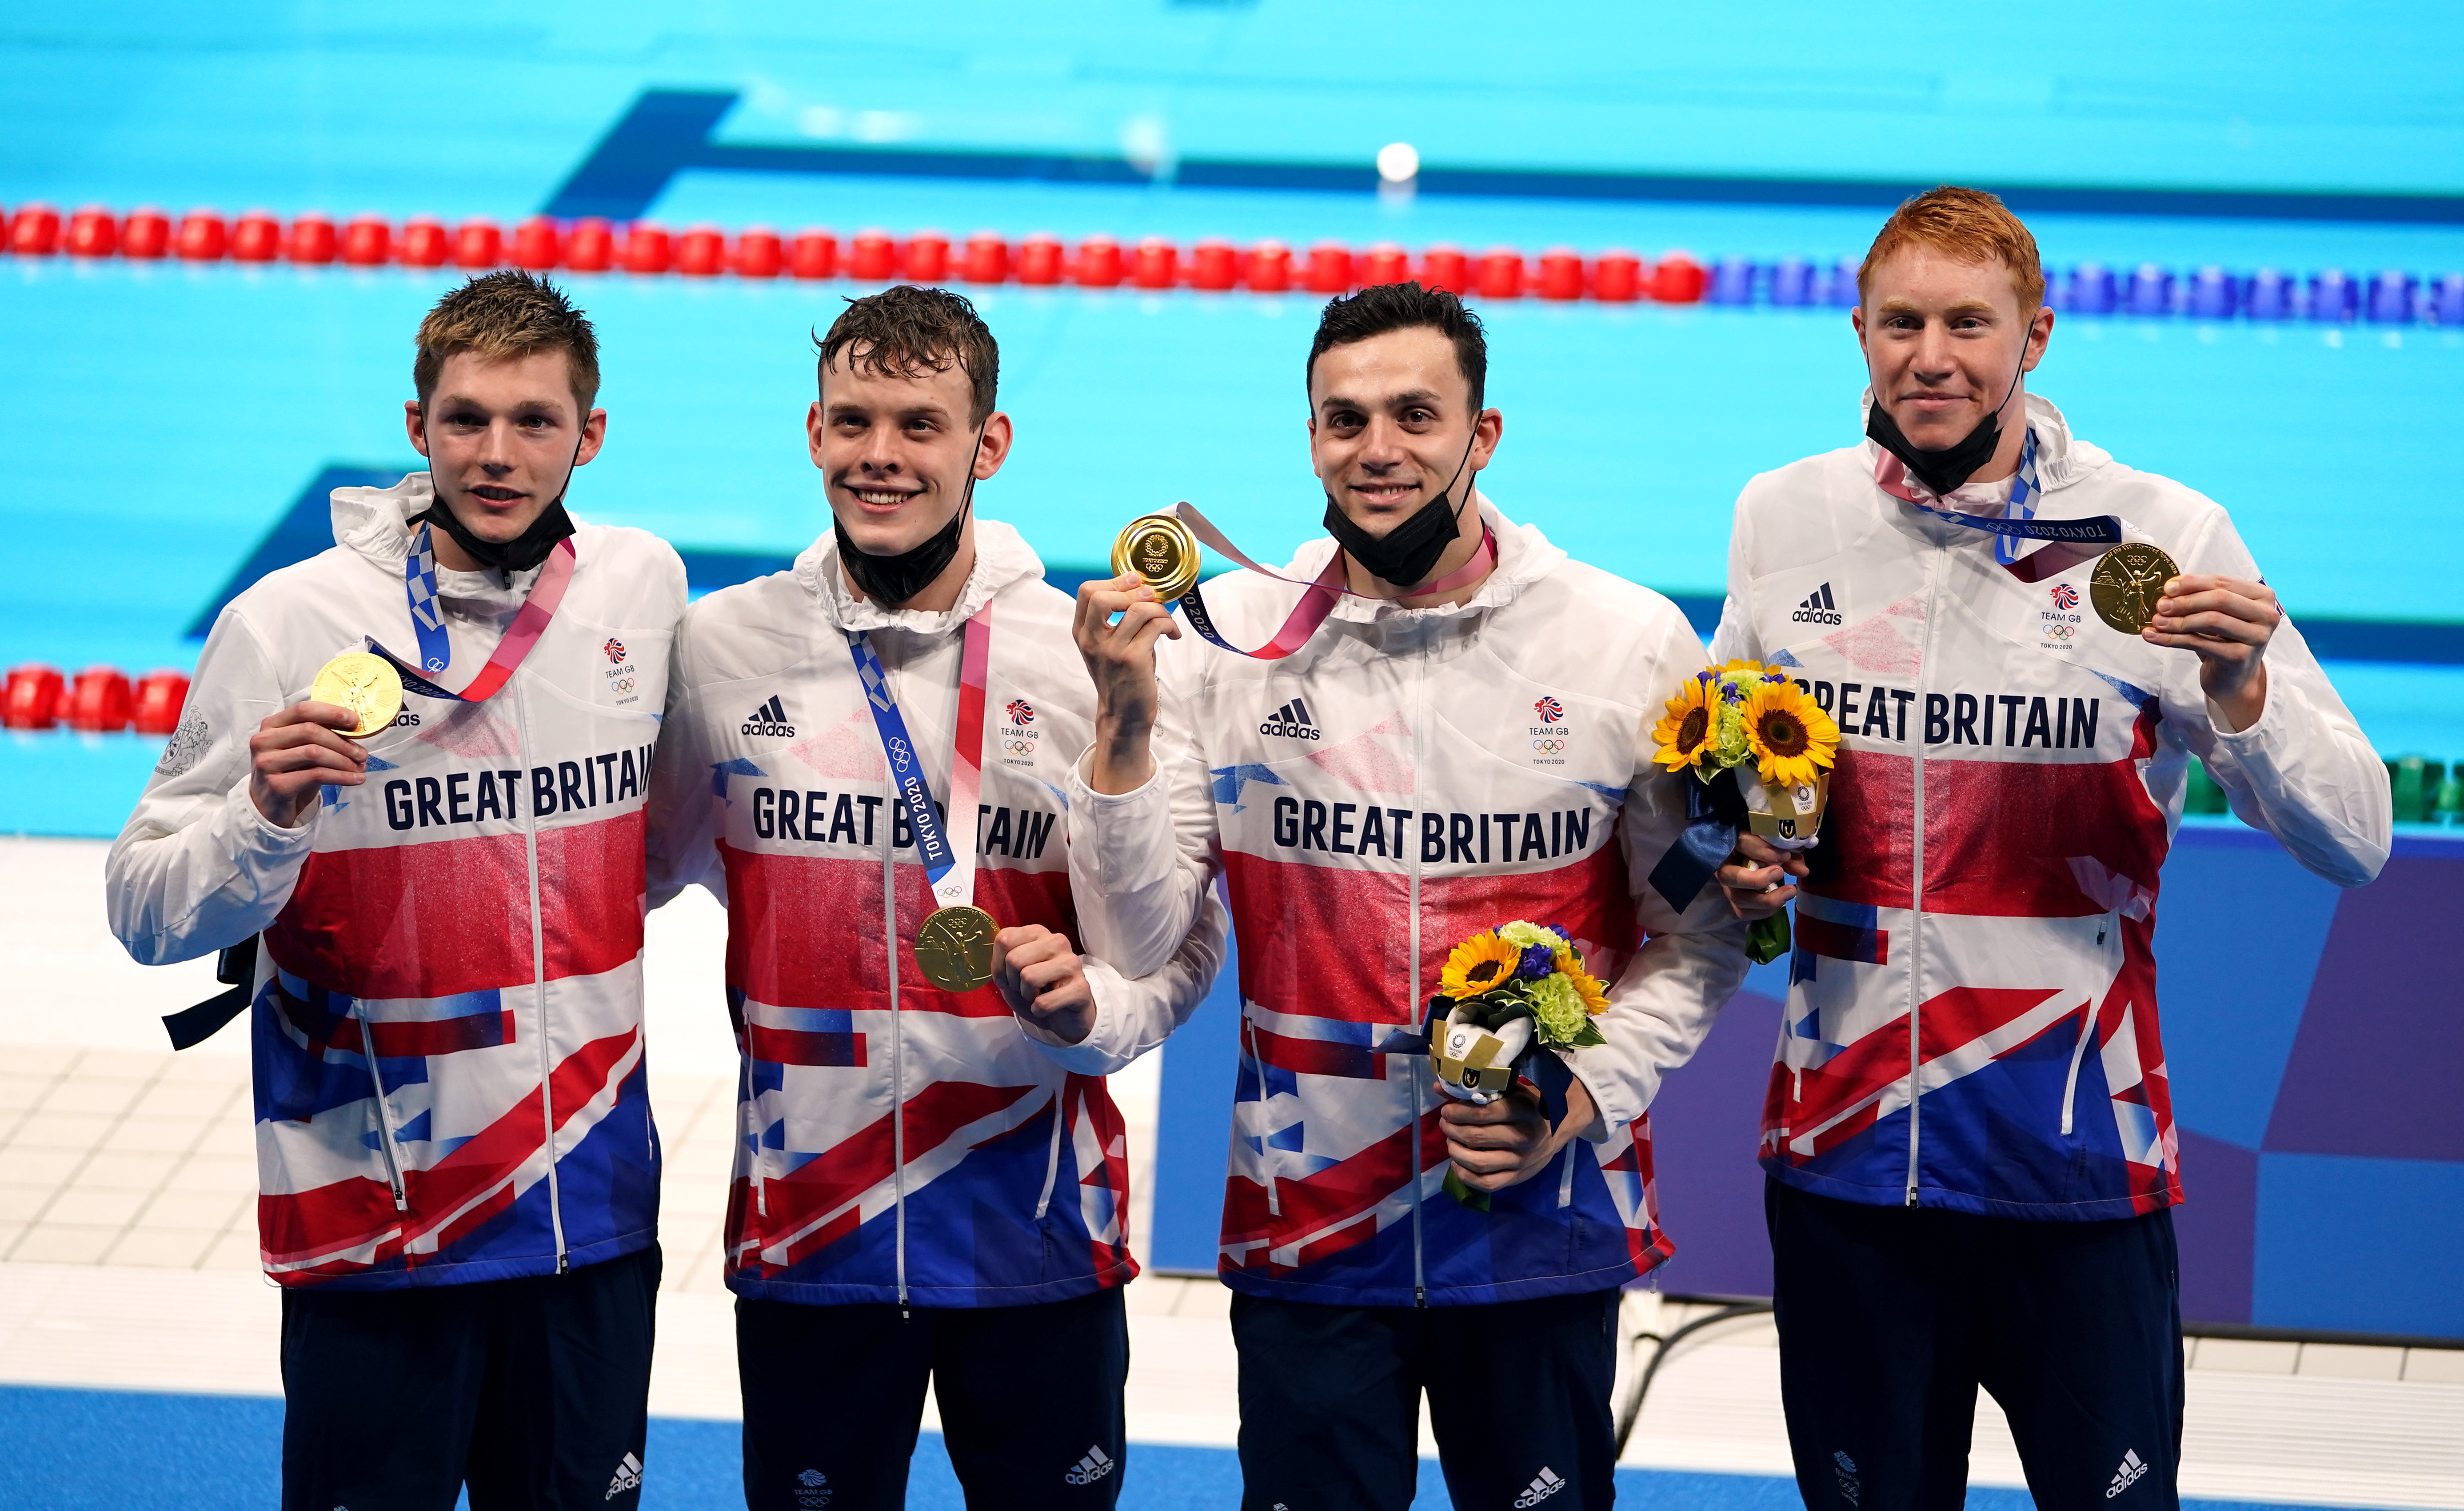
(1161, 548)
(955, 949)
(367, 685)
(2127, 581)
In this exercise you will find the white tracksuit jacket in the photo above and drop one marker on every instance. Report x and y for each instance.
(897, 1143)
(472, 914)
(1408, 778)
(1972, 1022)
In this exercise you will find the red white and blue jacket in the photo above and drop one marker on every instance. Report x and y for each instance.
(447, 1020)
(1971, 1018)
(1410, 778)
(896, 1143)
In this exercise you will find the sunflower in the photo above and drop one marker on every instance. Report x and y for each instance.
(1692, 727)
(1791, 737)
(1587, 985)
(1481, 963)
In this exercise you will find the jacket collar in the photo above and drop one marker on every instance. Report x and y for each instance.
(375, 522)
(2061, 458)
(1523, 556)
(1003, 556)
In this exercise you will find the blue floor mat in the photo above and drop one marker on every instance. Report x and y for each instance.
(71, 1449)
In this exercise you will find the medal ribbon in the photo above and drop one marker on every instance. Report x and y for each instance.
(2071, 542)
(949, 868)
(1318, 601)
(537, 611)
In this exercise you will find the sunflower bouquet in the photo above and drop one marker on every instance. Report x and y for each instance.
(1506, 994)
(1759, 751)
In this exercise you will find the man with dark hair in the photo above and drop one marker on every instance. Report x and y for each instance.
(1460, 745)
(1968, 1132)
(863, 759)
(459, 1174)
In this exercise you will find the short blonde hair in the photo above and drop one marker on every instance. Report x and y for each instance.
(1963, 222)
(511, 314)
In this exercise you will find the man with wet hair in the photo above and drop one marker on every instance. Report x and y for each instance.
(863, 759)
(432, 897)
(1969, 1133)
(1462, 743)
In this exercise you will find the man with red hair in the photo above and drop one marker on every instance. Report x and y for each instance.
(1969, 1134)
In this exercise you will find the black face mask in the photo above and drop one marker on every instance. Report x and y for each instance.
(891, 580)
(1943, 471)
(1404, 554)
(521, 554)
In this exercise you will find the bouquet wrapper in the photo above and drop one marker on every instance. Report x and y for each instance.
(1477, 1064)
(1480, 1065)
(1788, 817)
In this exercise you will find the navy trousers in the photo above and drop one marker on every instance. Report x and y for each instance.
(533, 1392)
(1890, 1318)
(1029, 1396)
(1518, 1398)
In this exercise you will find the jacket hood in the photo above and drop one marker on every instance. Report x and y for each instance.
(2061, 458)
(1003, 556)
(1523, 556)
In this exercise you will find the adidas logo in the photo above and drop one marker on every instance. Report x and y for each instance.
(1291, 722)
(1818, 608)
(2127, 1475)
(1544, 1484)
(1089, 1469)
(628, 1476)
(1845, 1468)
(770, 719)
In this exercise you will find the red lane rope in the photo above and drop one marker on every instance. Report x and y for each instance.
(644, 248)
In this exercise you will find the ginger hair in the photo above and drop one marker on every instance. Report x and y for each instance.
(1963, 222)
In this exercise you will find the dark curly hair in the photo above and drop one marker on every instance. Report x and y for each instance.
(905, 332)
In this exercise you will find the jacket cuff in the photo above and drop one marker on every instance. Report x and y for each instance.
(259, 840)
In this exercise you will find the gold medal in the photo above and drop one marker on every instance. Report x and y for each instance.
(1161, 548)
(954, 948)
(2127, 581)
(367, 685)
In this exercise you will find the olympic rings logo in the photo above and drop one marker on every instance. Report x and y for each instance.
(899, 755)
(1019, 746)
(1549, 746)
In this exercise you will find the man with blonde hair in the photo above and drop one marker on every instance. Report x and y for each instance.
(1969, 1134)
(459, 1176)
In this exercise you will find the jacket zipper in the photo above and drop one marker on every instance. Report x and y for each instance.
(1916, 879)
(539, 997)
(385, 1119)
(1420, 1071)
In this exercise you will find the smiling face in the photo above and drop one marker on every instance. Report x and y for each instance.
(1389, 420)
(894, 450)
(502, 436)
(1944, 337)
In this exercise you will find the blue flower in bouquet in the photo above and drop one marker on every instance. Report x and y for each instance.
(1538, 960)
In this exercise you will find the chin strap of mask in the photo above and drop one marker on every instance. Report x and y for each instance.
(1406, 554)
(1945, 470)
(892, 579)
